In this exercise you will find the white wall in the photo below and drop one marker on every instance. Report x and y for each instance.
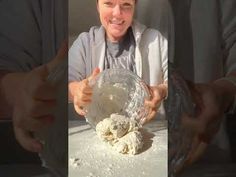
(82, 15)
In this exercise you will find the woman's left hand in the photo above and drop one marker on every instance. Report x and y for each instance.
(158, 93)
(212, 100)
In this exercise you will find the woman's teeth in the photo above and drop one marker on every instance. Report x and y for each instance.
(115, 22)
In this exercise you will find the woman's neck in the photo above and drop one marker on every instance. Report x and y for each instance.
(114, 40)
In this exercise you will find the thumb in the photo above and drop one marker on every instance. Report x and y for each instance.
(96, 71)
(60, 57)
(42, 71)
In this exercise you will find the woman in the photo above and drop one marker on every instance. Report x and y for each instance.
(120, 42)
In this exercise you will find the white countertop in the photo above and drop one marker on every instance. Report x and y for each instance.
(90, 157)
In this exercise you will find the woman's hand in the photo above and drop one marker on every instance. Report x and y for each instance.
(158, 93)
(81, 92)
(32, 99)
(212, 101)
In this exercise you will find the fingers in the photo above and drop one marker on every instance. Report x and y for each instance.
(156, 97)
(192, 123)
(31, 116)
(95, 72)
(153, 106)
(40, 72)
(27, 141)
(85, 88)
(91, 79)
(36, 86)
(209, 129)
(82, 99)
(36, 124)
(33, 124)
(84, 94)
(79, 107)
(154, 103)
(44, 92)
(196, 152)
(81, 92)
(35, 103)
(41, 108)
(151, 115)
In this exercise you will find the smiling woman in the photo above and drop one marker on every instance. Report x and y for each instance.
(120, 42)
(116, 17)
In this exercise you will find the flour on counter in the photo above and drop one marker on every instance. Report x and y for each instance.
(121, 133)
(91, 157)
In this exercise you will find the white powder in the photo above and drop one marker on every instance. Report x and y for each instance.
(97, 159)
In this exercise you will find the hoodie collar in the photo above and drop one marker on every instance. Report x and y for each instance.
(98, 49)
(138, 30)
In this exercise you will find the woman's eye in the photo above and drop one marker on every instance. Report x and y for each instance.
(108, 3)
(127, 5)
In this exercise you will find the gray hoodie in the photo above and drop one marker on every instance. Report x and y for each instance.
(88, 52)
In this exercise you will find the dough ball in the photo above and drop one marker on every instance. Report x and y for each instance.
(121, 133)
(131, 143)
(112, 128)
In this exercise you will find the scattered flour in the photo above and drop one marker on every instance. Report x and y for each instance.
(75, 162)
(121, 133)
(91, 157)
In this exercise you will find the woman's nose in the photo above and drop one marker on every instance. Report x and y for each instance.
(117, 10)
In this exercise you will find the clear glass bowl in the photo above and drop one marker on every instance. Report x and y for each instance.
(180, 137)
(118, 91)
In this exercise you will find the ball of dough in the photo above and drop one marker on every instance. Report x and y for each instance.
(121, 133)
(131, 143)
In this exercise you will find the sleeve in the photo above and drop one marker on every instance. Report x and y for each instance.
(20, 36)
(228, 22)
(77, 58)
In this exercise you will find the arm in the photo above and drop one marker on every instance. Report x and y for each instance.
(216, 98)
(159, 92)
(79, 90)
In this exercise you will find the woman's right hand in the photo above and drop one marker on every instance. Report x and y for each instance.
(33, 100)
(81, 92)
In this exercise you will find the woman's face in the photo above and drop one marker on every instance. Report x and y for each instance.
(116, 17)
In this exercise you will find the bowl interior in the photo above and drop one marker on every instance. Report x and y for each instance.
(118, 91)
